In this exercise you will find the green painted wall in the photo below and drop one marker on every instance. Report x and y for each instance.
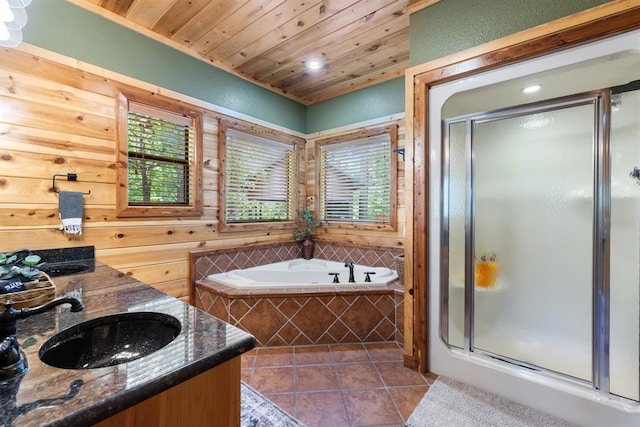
(369, 103)
(454, 25)
(61, 27)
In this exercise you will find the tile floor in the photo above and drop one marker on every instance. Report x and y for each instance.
(338, 384)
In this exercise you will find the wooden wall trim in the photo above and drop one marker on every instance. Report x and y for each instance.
(607, 20)
(419, 5)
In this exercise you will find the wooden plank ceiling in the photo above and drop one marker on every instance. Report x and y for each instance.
(360, 42)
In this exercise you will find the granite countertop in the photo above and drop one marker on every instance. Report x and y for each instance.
(53, 396)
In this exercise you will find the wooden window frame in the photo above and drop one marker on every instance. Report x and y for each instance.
(392, 130)
(124, 209)
(298, 147)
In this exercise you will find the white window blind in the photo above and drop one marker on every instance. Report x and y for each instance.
(161, 146)
(260, 178)
(355, 180)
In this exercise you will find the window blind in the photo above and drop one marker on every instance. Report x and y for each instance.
(259, 178)
(161, 150)
(355, 180)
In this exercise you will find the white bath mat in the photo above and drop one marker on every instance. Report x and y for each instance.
(454, 404)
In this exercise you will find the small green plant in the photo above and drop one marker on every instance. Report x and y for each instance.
(308, 224)
(14, 266)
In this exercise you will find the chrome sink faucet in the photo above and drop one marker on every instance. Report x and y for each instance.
(351, 278)
(13, 362)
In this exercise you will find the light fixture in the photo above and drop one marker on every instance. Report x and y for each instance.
(531, 89)
(314, 64)
(13, 18)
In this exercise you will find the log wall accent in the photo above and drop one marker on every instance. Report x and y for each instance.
(58, 115)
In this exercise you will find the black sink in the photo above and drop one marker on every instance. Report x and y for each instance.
(110, 340)
(55, 269)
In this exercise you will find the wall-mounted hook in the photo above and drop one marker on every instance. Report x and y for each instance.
(399, 151)
(69, 177)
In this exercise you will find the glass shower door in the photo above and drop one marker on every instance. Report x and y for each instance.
(532, 239)
(625, 245)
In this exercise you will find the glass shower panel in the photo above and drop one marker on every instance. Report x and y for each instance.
(454, 209)
(533, 233)
(625, 246)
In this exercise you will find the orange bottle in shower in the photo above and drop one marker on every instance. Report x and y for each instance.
(486, 272)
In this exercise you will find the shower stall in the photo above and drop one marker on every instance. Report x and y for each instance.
(537, 275)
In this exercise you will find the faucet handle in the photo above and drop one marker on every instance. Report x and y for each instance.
(335, 277)
(367, 278)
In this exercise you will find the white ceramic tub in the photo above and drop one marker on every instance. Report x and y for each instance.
(300, 273)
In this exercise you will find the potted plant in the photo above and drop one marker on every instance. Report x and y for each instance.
(16, 270)
(304, 234)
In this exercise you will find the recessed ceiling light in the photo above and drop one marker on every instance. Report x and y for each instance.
(531, 89)
(314, 64)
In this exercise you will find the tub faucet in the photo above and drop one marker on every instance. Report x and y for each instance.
(351, 278)
(13, 362)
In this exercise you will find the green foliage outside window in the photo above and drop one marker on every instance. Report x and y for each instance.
(158, 161)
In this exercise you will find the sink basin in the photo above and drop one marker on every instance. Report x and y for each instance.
(109, 340)
(66, 268)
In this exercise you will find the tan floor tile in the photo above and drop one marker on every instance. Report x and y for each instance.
(370, 407)
(349, 353)
(385, 352)
(247, 360)
(245, 374)
(274, 356)
(312, 355)
(315, 378)
(286, 401)
(358, 375)
(273, 380)
(321, 409)
(407, 398)
(396, 374)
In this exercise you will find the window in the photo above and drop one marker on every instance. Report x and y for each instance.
(357, 178)
(259, 176)
(160, 152)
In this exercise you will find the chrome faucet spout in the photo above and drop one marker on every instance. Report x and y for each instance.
(351, 266)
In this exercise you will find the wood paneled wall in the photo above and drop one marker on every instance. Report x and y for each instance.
(58, 115)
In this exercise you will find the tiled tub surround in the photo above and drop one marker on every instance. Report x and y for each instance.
(53, 396)
(300, 316)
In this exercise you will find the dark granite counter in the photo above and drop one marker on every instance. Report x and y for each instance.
(53, 396)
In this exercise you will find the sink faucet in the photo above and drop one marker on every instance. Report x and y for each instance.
(13, 362)
(351, 278)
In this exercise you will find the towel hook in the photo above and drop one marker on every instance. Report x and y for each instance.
(70, 177)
